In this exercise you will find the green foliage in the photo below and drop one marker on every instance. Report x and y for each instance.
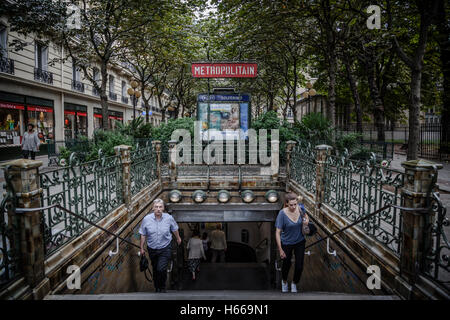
(350, 141)
(106, 141)
(315, 128)
(163, 133)
(136, 128)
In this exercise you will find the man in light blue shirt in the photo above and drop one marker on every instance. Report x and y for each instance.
(157, 228)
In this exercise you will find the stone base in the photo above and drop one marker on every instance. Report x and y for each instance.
(41, 290)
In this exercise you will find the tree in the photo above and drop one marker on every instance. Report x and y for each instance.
(426, 11)
(96, 39)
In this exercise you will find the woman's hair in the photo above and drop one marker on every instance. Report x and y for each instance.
(204, 235)
(290, 196)
(196, 233)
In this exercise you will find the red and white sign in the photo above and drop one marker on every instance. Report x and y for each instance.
(39, 109)
(224, 70)
(9, 105)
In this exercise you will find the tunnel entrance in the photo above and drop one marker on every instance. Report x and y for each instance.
(247, 264)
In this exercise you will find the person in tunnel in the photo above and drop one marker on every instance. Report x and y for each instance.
(289, 238)
(218, 244)
(156, 229)
(196, 252)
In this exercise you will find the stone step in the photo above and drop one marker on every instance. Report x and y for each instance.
(223, 295)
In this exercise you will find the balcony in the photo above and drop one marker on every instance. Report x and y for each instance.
(7, 65)
(125, 99)
(43, 76)
(95, 92)
(113, 96)
(77, 86)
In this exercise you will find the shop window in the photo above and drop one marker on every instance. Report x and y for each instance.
(75, 121)
(11, 118)
(245, 236)
(42, 118)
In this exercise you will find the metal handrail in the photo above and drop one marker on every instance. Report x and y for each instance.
(366, 217)
(23, 210)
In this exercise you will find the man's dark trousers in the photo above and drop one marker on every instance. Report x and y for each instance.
(160, 259)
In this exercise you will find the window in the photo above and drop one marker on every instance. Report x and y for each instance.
(124, 89)
(96, 75)
(3, 42)
(41, 56)
(75, 71)
(111, 83)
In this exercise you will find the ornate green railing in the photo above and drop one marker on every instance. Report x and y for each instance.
(303, 166)
(91, 189)
(437, 258)
(355, 188)
(9, 242)
(143, 169)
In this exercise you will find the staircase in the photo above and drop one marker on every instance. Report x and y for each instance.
(228, 276)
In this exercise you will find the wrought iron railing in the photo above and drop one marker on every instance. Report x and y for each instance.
(78, 86)
(354, 188)
(43, 76)
(125, 99)
(437, 259)
(7, 65)
(303, 166)
(95, 92)
(143, 169)
(9, 242)
(91, 189)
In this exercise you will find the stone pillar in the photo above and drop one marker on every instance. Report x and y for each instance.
(24, 180)
(420, 178)
(157, 148)
(123, 151)
(289, 147)
(172, 161)
(322, 152)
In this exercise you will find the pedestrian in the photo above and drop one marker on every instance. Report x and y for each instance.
(205, 240)
(196, 252)
(218, 244)
(30, 143)
(289, 238)
(157, 228)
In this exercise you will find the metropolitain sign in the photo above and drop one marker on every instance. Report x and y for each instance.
(224, 70)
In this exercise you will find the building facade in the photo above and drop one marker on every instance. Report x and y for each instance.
(37, 87)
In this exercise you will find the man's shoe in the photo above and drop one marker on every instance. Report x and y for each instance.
(293, 288)
(284, 286)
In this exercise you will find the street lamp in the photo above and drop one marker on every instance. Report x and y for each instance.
(135, 95)
(310, 92)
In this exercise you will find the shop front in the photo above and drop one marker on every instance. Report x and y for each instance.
(75, 121)
(16, 111)
(113, 118)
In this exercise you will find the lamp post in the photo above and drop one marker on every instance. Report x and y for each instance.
(134, 95)
(310, 92)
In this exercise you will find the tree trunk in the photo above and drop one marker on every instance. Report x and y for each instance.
(355, 93)
(378, 110)
(414, 115)
(331, 110)
(104, 96)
